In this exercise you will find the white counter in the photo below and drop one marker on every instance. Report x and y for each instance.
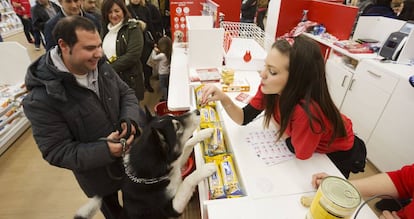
(179, 88)
(280, 207)
(270, 191)
(356, 56)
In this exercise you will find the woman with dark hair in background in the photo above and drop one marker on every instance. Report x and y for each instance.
(261, 12)
(122, 44)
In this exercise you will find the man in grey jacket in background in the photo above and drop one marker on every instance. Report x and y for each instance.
(75, 98)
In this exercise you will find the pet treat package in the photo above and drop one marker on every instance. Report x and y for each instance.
(230, 180)
(215, 144)
(208, 117)
(198, 95)
(215, 181)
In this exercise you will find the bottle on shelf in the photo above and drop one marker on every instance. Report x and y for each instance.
(304, 16)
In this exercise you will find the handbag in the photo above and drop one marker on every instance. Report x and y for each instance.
(149, 39)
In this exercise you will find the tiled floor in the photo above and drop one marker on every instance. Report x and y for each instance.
(31, 188)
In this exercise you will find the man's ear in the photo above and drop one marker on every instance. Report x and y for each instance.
(63, 45)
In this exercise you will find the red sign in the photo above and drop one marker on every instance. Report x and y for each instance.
(178, 10)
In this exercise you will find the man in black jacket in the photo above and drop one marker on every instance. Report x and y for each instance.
(248, 11)
(75, 99)
(41, 13)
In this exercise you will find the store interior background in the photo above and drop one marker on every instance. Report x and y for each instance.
(31, 188)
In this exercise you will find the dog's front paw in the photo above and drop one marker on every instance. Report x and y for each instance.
(208, 169)
(204, 133)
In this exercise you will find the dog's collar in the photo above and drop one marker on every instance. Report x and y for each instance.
(147, 181)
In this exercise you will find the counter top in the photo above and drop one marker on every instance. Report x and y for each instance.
(281, 207)
(270, 190)
(356, 56)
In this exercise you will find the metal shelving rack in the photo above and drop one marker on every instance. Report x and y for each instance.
(246, 31)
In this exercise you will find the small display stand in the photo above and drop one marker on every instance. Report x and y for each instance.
(14, 62)
(10, 24)
(205, 43)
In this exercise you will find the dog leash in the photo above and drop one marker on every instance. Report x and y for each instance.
(122, 141)
(128, 169)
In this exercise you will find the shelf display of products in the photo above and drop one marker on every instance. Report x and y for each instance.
(10, 22)
(224, 183)
(12, 119)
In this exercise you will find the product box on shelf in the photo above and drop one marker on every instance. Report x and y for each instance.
(238, 85)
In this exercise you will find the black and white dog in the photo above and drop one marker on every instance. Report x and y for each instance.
(153, 188)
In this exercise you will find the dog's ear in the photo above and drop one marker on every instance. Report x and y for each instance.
(163, 143)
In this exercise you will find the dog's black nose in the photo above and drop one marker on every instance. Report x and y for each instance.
(197, 112)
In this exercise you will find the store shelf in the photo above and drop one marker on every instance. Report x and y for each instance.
(12, 32)
(14, 62)
(16, 128)
(7, 12)
(10, 24)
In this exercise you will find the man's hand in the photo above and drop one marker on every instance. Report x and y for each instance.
(116, 148)
(124, 127)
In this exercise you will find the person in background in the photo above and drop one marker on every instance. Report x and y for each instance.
(362, 4)
(293, 92)
(248, 11)
(139, 10)
(397, 6)
(41, 12)
(161, 56)
(379, 8)
(165, 14)
(69, 8)
(90, 7)
(75, 99)
(1, 38)
(261, 12)
(407, 12)
(22, 10)
(398, 184)
(122, 44)
(156, 20)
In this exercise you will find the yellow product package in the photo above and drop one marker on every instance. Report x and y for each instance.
(230, 180)
(208, 117)
(198, 95)
(215, 144)
(215, 181)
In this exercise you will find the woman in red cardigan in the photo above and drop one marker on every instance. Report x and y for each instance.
(398, 184)
(293, 92)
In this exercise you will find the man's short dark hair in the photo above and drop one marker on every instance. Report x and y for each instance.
(66, 28)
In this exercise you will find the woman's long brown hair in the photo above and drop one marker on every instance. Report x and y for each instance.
(306, 86)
